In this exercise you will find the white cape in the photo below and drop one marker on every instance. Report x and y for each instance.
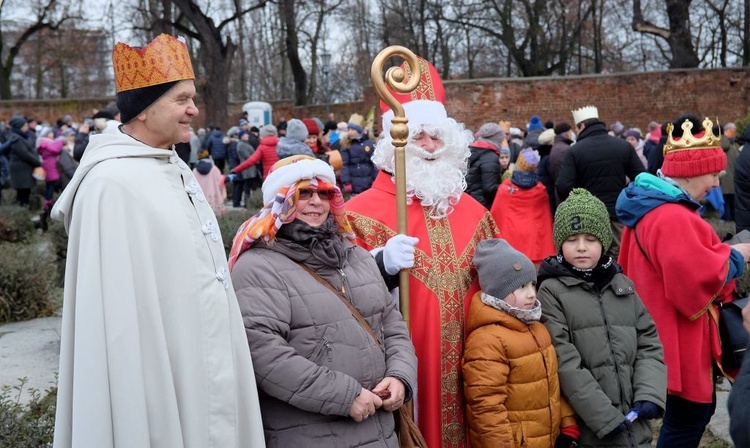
(154, 352)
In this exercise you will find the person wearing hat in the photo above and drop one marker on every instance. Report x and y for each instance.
(153, 350)
(444, 226)
(265, 154)
(483, 175)
(358, 171)
(22, 159)
(521, 210)
(635, 138)
(509, 365)
(293, 143)
(663, 230)
(600, 163)
(611, 362)
(325, 381)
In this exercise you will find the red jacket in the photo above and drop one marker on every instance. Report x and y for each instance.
(265, 153)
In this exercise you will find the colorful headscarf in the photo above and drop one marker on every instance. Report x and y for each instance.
(282, 207)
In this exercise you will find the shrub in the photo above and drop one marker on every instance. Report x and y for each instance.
(229, 223)
(28, 279)
(59, 240)
(15, 223)
(27, 425)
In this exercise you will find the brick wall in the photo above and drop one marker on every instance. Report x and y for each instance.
(632, 98)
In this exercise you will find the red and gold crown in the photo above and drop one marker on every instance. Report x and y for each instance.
(693, 155)
(164, 59)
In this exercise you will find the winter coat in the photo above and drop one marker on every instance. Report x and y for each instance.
(79, 147)
(358, 169)
(739, 411)
(232, 157)
(215, 145)
(557, 154)
(311, 356)
(483, 175)
(66, 165)
(663, 231)
(265, 154)
(291, 147)
(731, 149)
(22, 160)
(544, 174)
(510, 381)
(742, 184)
(50, 150)
(599, 163)
(609, 353)
(244, 151)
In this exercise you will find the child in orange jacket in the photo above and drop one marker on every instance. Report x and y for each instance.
(510, 366)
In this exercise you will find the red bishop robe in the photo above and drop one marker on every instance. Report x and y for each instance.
(443, 281)
(525, 220)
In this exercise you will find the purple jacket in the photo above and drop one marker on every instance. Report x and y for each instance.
(50, 150)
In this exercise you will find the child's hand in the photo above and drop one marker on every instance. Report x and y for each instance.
(621, 428)
(646, 410)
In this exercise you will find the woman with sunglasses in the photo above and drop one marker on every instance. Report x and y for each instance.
(325, 378)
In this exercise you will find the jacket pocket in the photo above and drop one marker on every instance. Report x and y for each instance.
(323, 352)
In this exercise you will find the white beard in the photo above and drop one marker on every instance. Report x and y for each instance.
(436, 179)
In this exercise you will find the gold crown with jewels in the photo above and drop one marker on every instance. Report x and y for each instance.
(689, 141)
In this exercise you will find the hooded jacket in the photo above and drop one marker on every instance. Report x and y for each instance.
(153, 351)
(742, 183)
(682, 269)
(22, 160)
(265, 154)
(483, 175)
(510, 381)
(609, 353)
(358, 169)
(288, 146)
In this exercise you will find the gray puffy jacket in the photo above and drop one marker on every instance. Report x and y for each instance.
(311, 356)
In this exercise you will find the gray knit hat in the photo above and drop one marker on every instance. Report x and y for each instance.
(296, 129)
(501, 268)
(582, 212)
(491, 133)
(268, 130)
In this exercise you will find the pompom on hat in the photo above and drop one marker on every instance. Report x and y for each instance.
(535, 123)
(501, 268)
(692, 155)
(425, 105)
(582, 212)
(143, 75)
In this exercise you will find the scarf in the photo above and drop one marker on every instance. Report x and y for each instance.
(524, 179)
(321, 241)
(600, 275)
(526, 316)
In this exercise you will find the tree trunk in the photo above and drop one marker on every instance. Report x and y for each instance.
(746, 34)
(286, 8)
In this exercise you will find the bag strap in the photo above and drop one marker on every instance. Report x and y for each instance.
(638, 241)
(355, 312)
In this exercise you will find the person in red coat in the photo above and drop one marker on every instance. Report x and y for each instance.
(265, 153)
(521, 210)
(682, 270)
(444, 227)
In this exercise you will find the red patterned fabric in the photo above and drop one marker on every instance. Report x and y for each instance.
(442, 284)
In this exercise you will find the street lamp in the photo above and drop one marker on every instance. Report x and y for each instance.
(325, 62)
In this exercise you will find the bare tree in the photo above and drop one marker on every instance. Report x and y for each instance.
(51, 15)
(677, 36)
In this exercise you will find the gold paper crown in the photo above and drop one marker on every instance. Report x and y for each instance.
(689, 141)
(164, 60)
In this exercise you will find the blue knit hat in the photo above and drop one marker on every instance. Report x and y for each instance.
(535, 123)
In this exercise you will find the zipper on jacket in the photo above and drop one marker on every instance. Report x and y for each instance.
(345, 285)
(628, 431)
(329, 348)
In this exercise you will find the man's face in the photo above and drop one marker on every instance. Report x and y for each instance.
(427, 142)
(168, 120)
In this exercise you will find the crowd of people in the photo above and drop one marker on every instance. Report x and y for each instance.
(563, 285)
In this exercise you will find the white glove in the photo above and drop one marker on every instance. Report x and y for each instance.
(398, 253)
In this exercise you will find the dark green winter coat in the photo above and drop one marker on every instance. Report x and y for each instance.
(608, 351)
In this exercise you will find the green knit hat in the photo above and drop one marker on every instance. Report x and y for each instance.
(582, 212)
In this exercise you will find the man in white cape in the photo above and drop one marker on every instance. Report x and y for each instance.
(153, 348)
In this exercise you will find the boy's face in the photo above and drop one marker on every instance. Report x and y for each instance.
(523, 297)
(504, 160)
(582, 251)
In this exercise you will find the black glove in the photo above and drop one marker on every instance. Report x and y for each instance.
(565, 441)
(646, 410)
(621, 428)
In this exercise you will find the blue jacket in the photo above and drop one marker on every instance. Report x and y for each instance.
(358, 168)
(215, 145)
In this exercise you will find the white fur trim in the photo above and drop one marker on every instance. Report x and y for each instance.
(290, 174)
(585, 113)
(418, 112)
